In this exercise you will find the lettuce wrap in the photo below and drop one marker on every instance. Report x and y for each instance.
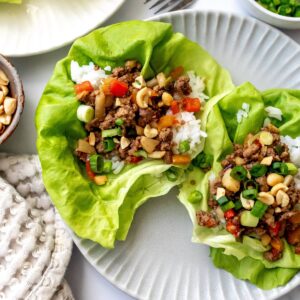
(104, 213)
(243, 259)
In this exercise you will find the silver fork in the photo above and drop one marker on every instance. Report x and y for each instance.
(168, 5)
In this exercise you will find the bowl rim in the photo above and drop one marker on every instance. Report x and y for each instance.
(272, 14)
(13, 75)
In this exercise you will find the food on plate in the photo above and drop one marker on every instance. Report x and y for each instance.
(110, 66)
(289, 8)
(248, 179)
(129, 119)
(11, 1)
(8, 104)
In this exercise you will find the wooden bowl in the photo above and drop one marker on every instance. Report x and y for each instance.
(16, 91)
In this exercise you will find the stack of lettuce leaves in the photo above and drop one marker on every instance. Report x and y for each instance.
(243, 259)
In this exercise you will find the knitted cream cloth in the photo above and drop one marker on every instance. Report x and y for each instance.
(35, 247)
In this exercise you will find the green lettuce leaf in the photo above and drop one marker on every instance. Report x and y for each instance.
(11, 1)
(104, 213)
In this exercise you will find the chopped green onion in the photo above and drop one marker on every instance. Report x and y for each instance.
(238, 205)
(172, 174)
(258, 170)
(109, 145)
(280, 168)
(96, 163)
(184, 146)
(259, 209)
(107, 166)
(111, 132)
(227, 206)
(203, 161)
(279, 149)
(249, 184)
(238, 173)
(140, 153)
(249, 194)
(222, 200)
(85, 113)
(292, 169)
(195, 196)
(119, 122)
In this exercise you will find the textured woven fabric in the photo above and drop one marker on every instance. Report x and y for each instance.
(35, 247)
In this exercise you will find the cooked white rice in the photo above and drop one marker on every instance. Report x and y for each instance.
(294, 147)
(189, 131)
(83, 73)
(274, 112)
(243, 112)
(198, 86)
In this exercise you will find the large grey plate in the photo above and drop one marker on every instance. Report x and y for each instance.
(158, 261)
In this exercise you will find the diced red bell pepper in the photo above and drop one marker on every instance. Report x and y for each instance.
(175, 107)
(232, 228)
(177, 72)
(229, 214)
(85, 86)
(118, 88)
(89, 171)
(135, 159)
(191, 104)
(275, 229)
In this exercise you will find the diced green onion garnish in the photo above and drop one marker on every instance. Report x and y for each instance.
(258, 170)
(109, 145)
(107, 166)
(119, 122)
(280, 168)
(85, 113)
(203, 161)
(172, 174)
(249, 194)
(250, 184)
(259, 209)
(140, 153)
(184, 146)
(238, 205)
(293, 170)
(195, 196)
(238, 173)
(96, 163)
(222, 200)
(227, 206)
(111, 132)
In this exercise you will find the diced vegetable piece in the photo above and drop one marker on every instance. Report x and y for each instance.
(175, 107)
(181, 159)
(107, 166)
(250, 193)
(100, 179)
(249, 184)
(85, 147)
(175, 73)
(275, 229)
(85, 86)
(229, 214)
(140, 153)
(184, 146)
(118, 88)
(227, 206)
(119, 122)
(85, 113)
(89, 171)
(248, 219)
(96, 163)
(172, 174)
(292, 169)
(259, 209)
(232, 228)
(109, 145)
(111, 132)
(203, 160)
(195, 196)
(238, 205)
(239, 173)
(222, 200)
(258, 170)
(191, 104)
(165, 121)
(135, 159)
(280, 168)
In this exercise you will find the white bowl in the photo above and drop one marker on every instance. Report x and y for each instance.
(263, 14)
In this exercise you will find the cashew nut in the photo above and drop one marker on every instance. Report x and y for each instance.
(167, 98)
(10, 105)
(266, 198)
(149, 144)
(267, 161)
(220, 193)
(125, 142)
(139, 82)
(150, 132)
(230, 183)
(246, 203)
(92, 139)
(1, 109)
(4, 89)
(161, 79)
(277, 187)
(274, 179)
(288, 180)
(266, 138)
(239, 161)
(5, 119)
(282, 198)
(139, 130)
(157, 154)
(142, 97)
(3, 78)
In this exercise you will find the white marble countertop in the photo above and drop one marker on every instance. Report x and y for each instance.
(35, 71)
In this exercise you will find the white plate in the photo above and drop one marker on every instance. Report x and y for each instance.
(158, 261)
(38, 26)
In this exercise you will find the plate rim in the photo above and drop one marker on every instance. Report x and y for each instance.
(284, 290)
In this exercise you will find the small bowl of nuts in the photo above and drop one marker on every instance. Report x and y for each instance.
(11, 98)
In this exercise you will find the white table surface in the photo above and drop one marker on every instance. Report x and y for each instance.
(35, 71)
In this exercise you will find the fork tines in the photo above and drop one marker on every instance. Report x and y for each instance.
(168, 5)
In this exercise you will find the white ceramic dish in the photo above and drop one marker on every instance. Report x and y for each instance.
(158, 261)
(38, 26)
(269, 17)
